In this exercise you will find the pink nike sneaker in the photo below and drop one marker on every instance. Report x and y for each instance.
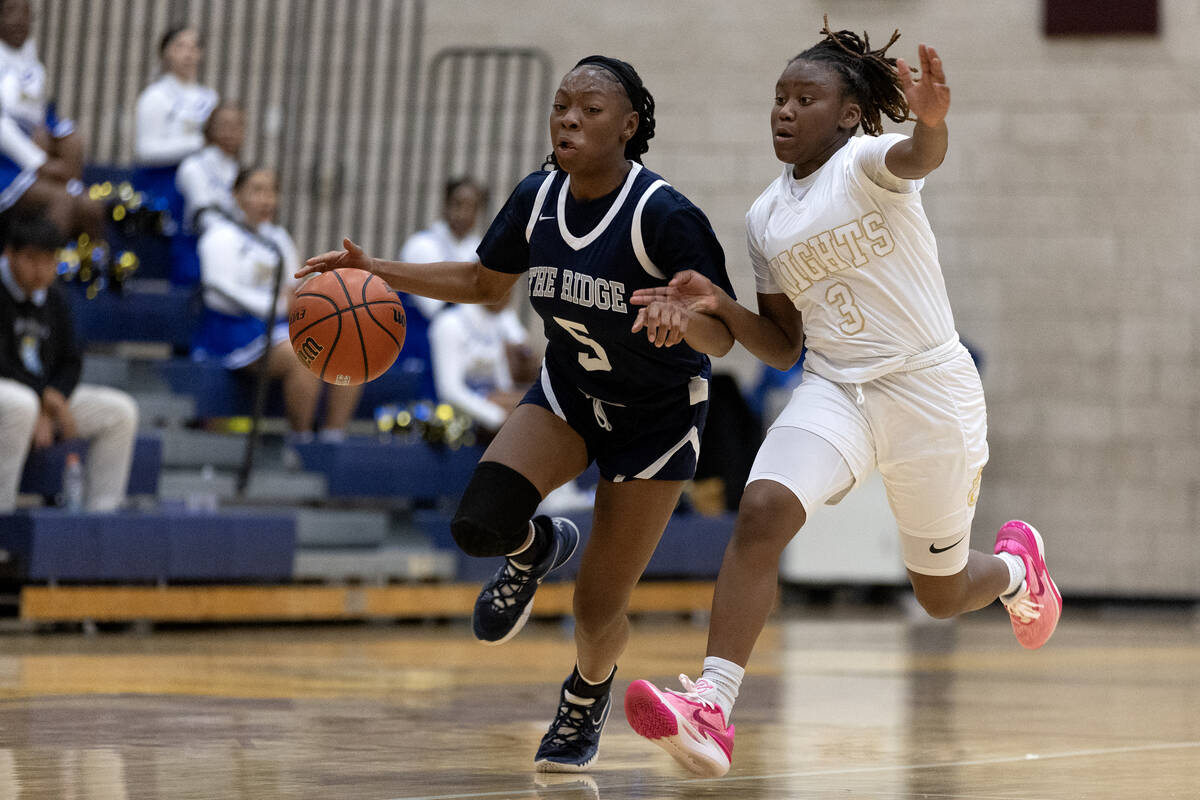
(691, 730)
(1037, 605)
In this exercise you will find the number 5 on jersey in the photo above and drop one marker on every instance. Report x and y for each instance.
(598, 360)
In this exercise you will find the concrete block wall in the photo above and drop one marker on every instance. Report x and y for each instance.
(1067, 213)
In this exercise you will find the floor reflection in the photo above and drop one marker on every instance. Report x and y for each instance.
(866, 704)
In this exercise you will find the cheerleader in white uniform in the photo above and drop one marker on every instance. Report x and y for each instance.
(239, 257)
(169, 127)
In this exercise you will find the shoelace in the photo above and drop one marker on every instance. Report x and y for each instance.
(568, 723)
(690, 691)
(515, 580)
(1023, 606)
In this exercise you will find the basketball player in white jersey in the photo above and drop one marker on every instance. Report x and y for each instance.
(846, 265)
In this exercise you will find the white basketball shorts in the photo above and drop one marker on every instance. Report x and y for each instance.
(926, 432)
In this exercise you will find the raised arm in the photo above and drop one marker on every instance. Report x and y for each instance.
(929, 101)
(452, 281)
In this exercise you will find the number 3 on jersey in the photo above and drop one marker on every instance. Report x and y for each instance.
(598, 360)
(839, 295)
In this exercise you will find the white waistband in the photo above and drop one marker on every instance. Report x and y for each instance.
(931, 358)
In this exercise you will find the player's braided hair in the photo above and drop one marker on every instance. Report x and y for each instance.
(869, 75)
(639, 97)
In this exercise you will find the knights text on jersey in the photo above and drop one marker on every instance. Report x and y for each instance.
(852, 249)
(585, 260)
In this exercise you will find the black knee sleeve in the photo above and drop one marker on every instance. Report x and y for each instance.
(493, 515)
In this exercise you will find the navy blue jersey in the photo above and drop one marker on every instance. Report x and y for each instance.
(585, 260)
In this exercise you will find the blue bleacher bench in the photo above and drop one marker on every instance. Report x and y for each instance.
(44, 467)
(139, 313)
(368, 467)
(691, 548)
(153, 251)
(220, 392)
(55, 545)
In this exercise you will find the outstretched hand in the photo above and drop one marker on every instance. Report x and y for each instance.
(688, 287)
(352, 256)
(929, 96)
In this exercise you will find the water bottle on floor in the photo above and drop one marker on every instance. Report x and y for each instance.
(72, 483)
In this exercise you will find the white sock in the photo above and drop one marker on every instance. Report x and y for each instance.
(1016, 573)
(723, 679)
(524, 547)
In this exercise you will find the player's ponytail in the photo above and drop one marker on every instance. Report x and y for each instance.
(869, 75)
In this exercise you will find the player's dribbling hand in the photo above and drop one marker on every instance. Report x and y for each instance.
(696, 292)
(929, 97)
(352, 256)
(665, 322)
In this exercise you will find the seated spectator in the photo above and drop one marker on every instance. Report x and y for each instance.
(41, 398)
(41, 158)
(205, 181)
(168, 128)
(34, 183)
(452, 237)
(239, 258)
(471, 361)
(23, 91)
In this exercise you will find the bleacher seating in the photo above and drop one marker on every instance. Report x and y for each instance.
(153, 252)
(349, 516)
(149, 309)
(221, 393)
(691, 548)
(367, 467)
(44, 467)
(144, 311)
(55, 545)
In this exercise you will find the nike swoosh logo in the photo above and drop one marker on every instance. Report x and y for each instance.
(597, 725)
(935, 550)
(542, 218)
(708, 738)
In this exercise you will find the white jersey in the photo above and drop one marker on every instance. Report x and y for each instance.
(205, 180)
(437, 243)
(170, 120)
(237, 267)
(852, 249)
(23, 88)
(469, 359)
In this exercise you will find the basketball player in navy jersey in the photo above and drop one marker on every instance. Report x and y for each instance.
(615, 388)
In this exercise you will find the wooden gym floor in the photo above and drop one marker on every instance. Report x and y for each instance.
(859, 703)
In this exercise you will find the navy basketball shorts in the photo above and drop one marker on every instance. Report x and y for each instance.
(658, 438)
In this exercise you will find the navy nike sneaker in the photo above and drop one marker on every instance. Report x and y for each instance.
(574, 736)
(503, 606)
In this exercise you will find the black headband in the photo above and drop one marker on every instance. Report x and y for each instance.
(621, 71)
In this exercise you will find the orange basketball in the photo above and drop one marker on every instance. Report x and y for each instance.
(347, 326)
